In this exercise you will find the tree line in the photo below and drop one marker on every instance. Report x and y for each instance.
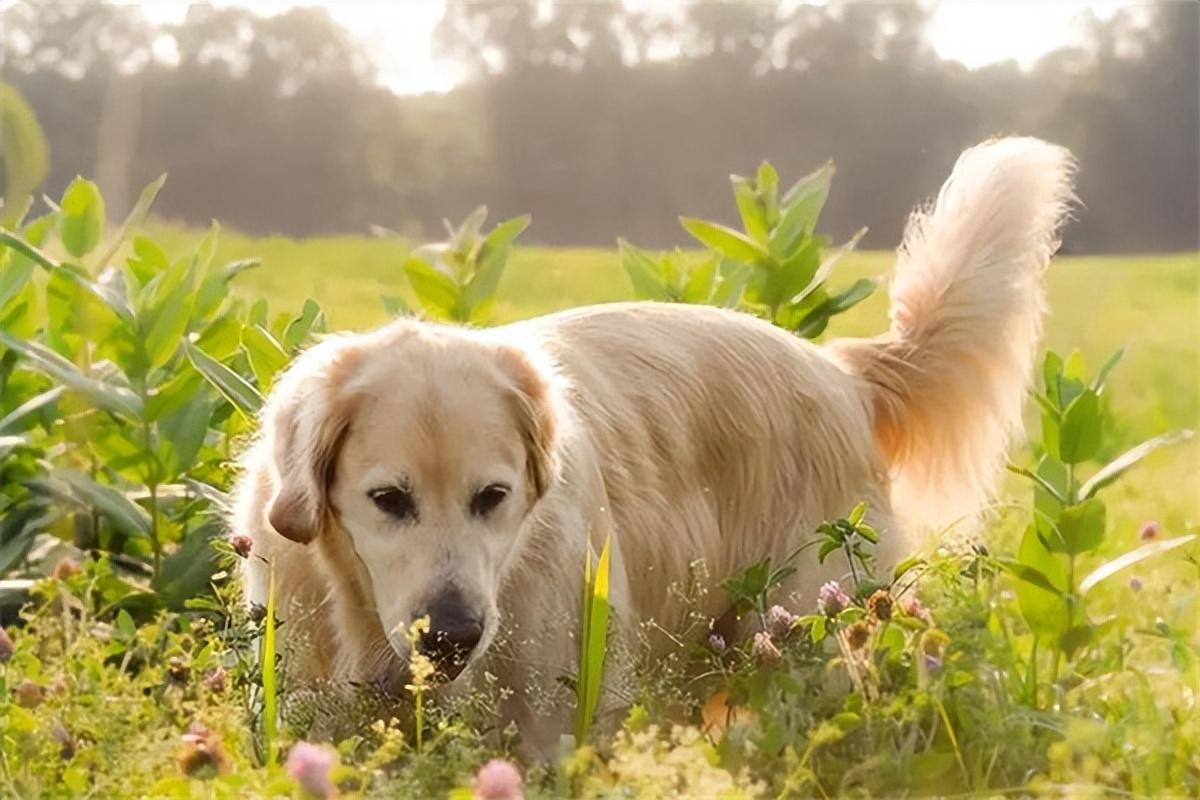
(572, 112)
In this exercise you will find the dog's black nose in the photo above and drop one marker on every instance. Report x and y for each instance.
(454, 632)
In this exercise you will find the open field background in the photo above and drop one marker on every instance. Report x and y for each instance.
(1147, 304)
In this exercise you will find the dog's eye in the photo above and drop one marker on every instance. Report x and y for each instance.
(487, 498)
(395, 501)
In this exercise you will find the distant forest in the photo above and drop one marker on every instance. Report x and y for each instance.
(279, 125)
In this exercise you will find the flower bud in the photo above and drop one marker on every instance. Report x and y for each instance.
(200, 753)
(779, 621)
(831, 599)
(1149, 530)
(717, 642)
(29, 694)
(499, 780)
(242, 544)
(765, 653)
(310, 765)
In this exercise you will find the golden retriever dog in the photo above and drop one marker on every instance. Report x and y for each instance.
(427, 470)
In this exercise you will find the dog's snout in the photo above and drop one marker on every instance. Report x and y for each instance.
(454, 632)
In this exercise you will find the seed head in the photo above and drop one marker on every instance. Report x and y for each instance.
(29, 694)
(779, 621)
(913, 607)
(216, 680)
(1149, 530)
(200, 753)
(765, 653)
(178, 671)
(65, 741)
(857, 635)
(242, 544)
(310, 765)
(717, 642)
(879, 605)
(65, 568)
(499, 780)
(831, 599)
(6, 646)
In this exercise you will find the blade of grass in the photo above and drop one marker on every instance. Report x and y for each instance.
(593, 639)
(270, 687)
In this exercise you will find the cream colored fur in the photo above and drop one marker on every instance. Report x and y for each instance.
(691, 434)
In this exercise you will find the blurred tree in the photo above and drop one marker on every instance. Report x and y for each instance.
(601, 120)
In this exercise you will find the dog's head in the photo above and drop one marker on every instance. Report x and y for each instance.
(423, 449)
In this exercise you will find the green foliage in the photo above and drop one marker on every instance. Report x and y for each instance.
(593, 639)
(23, 157)
(773, 267)
(457, 279)
(1070, 520)
(126, 376)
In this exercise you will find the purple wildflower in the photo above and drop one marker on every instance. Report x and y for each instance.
(779, 621)
(831, 599)
(309, 765)
(499, 780)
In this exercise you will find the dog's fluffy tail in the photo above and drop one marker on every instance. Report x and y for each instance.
(948, 379)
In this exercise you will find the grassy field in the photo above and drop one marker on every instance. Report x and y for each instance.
(940, 699)
(1149, 305)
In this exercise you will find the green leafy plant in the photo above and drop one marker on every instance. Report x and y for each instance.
(774, 266)
(1070, 519)
(457, 279)
(107, 375)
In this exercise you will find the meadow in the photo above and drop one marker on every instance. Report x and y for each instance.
(130, 670)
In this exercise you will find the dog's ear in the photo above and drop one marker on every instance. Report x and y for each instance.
(534, 409)
(308, 418)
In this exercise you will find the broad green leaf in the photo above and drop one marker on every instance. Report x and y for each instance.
(146, 261)
(223, 336)
(727, 241)
(266, 355)
(82, 217)
(1079, 528)
(13, 278)
(801, 208)
(702, 281)
(113, 504)
(767, 184)
(135, 218)
(643, 273)
(1150, 550)
(171, 395)
(1079, 434)
(215, 287)
(1038, 480)
(184, 431)
(244, 397)
(188, 572)
(1044, 610)
(168, 323)
(490, 266)
(732, 284)
(1052, 368)
(302, 327)
(114, 398)
(754, 216)
(1122, 463)
(437, 294)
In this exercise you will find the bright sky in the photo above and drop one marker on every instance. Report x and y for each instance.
(400, 34)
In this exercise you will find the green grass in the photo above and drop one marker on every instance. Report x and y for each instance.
(1124, 717)
(1149, 305)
